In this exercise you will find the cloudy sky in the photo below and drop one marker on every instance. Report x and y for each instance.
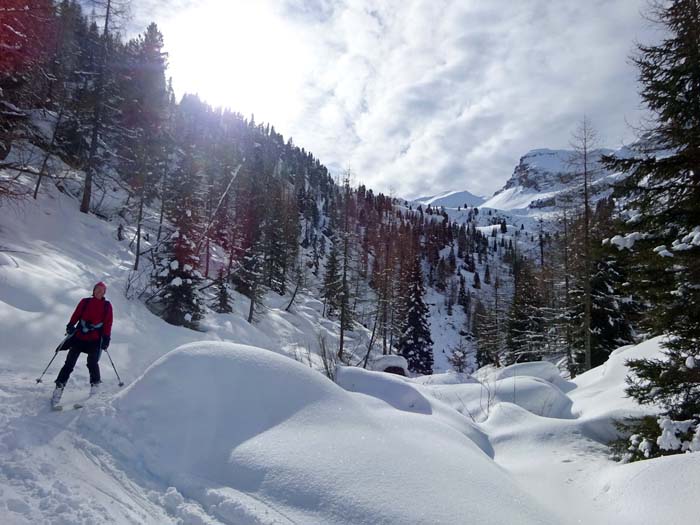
(414, 96)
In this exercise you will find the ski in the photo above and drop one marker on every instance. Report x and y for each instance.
(74, 406)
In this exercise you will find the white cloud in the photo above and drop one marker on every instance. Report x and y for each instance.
(426, 95)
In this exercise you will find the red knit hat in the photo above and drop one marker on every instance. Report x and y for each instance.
(103, 285)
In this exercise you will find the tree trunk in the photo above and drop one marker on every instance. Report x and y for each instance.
(587, 257)
(97, 117)
(49, 150)
(139, 222)
(251, 311)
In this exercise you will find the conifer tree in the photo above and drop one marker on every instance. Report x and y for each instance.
(251, 278)
(664, 189)
(526, 324)
(332, 283)
(458, 357)
(176, 277)
(112, 9)
(223, 295)
(415, 343)
(485, 330)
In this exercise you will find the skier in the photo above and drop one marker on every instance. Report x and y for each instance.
(91, 336)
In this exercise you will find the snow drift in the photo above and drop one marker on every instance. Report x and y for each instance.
(254, 437)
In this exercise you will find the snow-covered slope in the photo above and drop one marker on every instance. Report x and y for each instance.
(451, 199)
(223, 426)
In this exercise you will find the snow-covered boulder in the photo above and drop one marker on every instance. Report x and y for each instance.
(393, 364)
(254, 437)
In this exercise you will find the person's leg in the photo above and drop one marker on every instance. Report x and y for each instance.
(93, 366)
(68, 366)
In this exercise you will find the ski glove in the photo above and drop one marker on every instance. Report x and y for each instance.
(105, 342)
(70, 329)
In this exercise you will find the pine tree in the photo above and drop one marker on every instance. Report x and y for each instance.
(332, 287)
(664, 190)
(142, 139)
(112, 9)
(415, 343)
(251, 278)
(176, 277)
(486, 336)
(526, 324)
(459, 358)
(223, 295)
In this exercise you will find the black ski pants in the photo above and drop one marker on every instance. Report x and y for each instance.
(93, 351)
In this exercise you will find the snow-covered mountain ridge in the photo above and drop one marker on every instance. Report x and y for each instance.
(546, 178)
(450, 199)
(543, 178)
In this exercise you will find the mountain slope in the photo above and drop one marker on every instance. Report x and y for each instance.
(450, 199)
(545, 178)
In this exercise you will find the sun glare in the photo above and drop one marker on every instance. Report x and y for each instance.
(238, 54)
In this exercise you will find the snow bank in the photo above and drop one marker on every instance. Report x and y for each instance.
(255, 437)
(601, 391)
(403, 394)
(541, 369)
(398, 393)
(661, 490)
(477, 400)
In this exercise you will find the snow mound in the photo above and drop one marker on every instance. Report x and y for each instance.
(381, 363)
(541, 369)
(661, 490)
(403, 394)
(254, 437)
(446, 378)
(398, 393)
(477, 400)
(601, 391)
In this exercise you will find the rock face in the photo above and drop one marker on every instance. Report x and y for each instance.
(546, 178)
(544, 170)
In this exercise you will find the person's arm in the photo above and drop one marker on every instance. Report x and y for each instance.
(76, 314)
(107, 327)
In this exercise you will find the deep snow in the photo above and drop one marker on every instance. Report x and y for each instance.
(209, 430)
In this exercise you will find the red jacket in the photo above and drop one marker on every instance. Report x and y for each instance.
(93, 311)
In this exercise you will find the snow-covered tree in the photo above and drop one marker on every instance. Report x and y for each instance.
(663, 190)
(459, 357)
(176, 276)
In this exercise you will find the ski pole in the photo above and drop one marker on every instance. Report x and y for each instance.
(121, 383)
(47, 367)
(58, 349)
